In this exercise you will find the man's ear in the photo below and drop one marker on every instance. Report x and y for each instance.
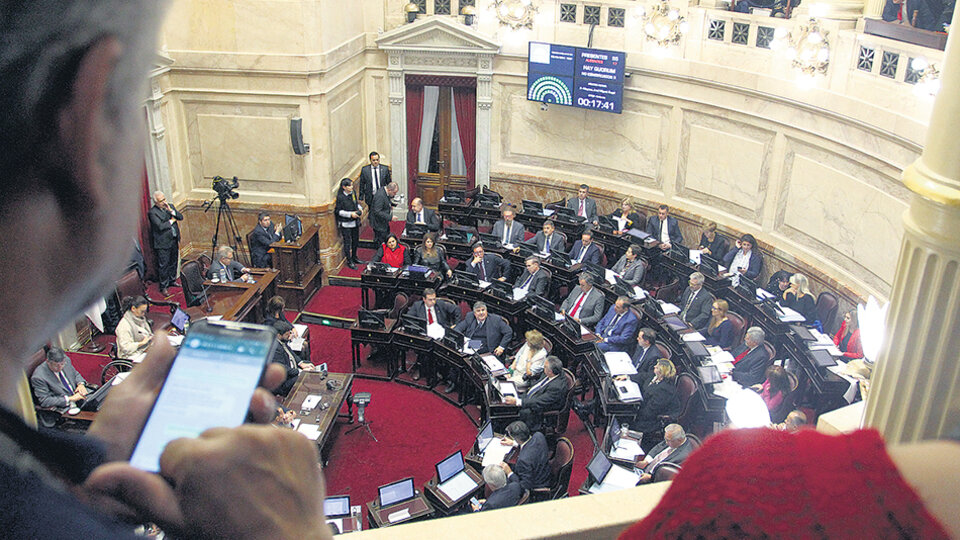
(82, 125)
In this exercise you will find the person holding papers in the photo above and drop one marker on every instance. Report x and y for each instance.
(133, 331)
(287, 358)
(616, 329)
(528, 362)
(750, 359)
(432, 256)
(533, 457)
(743, 259)
(585, 302)
(719, 331)
(626, 218)
(491, 330)
(695, 302)
(799, 298)
(664, 228)
(647, 353)
(584, 250)
(675, 448)
(485, 266)
(548, 240)
(659, 398)
(508, 230)
(533, 280)
(503, 494)
(547, 395)
(421, 214)
(630, 266)
(583, 205)
(439, 315)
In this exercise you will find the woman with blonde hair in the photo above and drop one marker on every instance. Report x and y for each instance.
(627, 217)
(799, 298)
(528, 362)
(719, 329)
(660, 398)
(712, 243)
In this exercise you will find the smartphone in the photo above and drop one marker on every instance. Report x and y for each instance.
(210, 384)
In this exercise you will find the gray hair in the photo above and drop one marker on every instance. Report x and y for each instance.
(556, 366)
(494, 476)
(756, 334)
(224, 251)
(674, 432)
(478, 305)
(697, 276)
(392, 186)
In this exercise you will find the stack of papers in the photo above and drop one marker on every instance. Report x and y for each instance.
(693, 336)
(493, 364)
(727, 389)
(626, 449)
(619, 363)
(790, 315)
(668, 308)
(628, 391)
(495, 452)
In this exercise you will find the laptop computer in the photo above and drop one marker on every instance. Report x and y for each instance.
(396, 492)
(709, 374)
(180, 320)
(485, 437)
(452, 477)
(697, 348)
(531, 207)
(609, 477)
(454, 196)
(416, 230)
(822, 358)
(675, 323)
(336, 507)
(802, 332)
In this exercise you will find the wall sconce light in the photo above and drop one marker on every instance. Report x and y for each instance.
(412, 9)
(515, 13)
(929, 82)
(469, 15)
(664, 24)
(806, 47)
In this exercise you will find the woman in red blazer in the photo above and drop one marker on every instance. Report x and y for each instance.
(847, 339)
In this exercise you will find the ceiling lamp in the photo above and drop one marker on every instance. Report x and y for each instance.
(664, 24)
(806, 47)
(515, 13)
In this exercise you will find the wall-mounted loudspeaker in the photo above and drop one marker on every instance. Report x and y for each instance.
(296, 137)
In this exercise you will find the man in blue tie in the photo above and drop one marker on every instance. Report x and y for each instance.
(584, 250)
(616, 330)
(533, 280)
(56, 383)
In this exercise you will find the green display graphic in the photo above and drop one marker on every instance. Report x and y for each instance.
(550, 89)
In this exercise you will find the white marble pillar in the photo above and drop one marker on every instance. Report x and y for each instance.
(484, 118)
(398, 122)
(915, 391)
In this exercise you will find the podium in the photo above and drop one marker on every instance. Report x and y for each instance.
(299, 266)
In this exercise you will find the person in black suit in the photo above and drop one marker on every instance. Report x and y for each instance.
(287, 358)
(659, 398)
(373, 177)
(503, 494)
(547, 240)
(487, 267)
(647, 353)
(675, 448)
(381, 212)
(695, 302)
(627, 218)
(584, 250)
(548, 394)
(750, 360)
(165, 236)
(491, 329)
(260, 241)
(533, 279)
(664, 228)
(583, 205)
(507, 230)
(231, 269)
(743, 259)
(533, 459)
(347, 213)
(420, 214)
(444, 314)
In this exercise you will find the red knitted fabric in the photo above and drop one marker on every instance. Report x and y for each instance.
(763, 483)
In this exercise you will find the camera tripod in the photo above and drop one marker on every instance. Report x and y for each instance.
(225, 217)
(364, 423)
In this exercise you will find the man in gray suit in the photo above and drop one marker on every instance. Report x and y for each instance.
(381, 212)
(233, 270)
(507, 230)
(585, 302)
(675, 448)
(630, 267)
(584, 206)
(56, 383)
(695, 302)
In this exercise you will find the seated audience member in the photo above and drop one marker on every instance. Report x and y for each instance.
(486, 266)
(133, 331)
(675, 448)
(664, 228)
(276, 305)
(585, 302)
(584, 250)
(491, 329)
(432, 255)
(719, 331)
(421, 214)
(930, 15)
(774, 388)
(847, 339)
(750, 360)
(743, 259)
(795, 421)
(630, 266)
(261, 238)
(549, 394)
(616, 329)
(56, 383)
(508, 230)
(626, 217)
(534, 280)
(660, 398)
(528, 362)
(547, 240)
(712, 243)
(503, 494)
(225, 268)
(695, 302)
(444, 314)
(533, 457)
(779, 283)
(287, 358)
(392, 252)
(583, 205)
(647, 353)
(799, 298)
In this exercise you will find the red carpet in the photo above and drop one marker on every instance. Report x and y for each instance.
(336, 301)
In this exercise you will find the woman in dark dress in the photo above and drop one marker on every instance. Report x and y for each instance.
(432, 256)
(799, 298)
(659, 398)
(719, 330)
(712, 243)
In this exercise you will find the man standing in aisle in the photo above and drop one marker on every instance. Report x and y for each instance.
(381, 212)
(165, 233)
(373, 177)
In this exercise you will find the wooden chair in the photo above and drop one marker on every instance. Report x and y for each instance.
(739, 328)
(789, 400)
(561, 466)
(664, 351)
(669, 292)
(191, 277)
(524, 498)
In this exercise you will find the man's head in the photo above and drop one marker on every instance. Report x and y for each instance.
(647, 337)
(747, 242)
(480, 311)
(417, 204)
(392, 189)
(159, 198)
(532, 263)
(494, 476)
(795, 420)
(284, 330)
(674, 435)
(754, 337)
(225, 254)
(552, 366)
(508, 215)
(583, 191)
(518, 431)
(586, 281)
(662, 211)
(548, 227)
(621, 305)
(56, 359)
(478, 250)
(586, 238)
(429, 297)
(374, 159)
(696, 281)
(346, 185)
(264, 219)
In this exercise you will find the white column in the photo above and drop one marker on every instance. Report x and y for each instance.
(484, 119)
(398, 121)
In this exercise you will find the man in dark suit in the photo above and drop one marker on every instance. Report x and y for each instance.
(675, 448)
(743, 259)
(503, 494)
(664, 228)
(508, 230)
(487, 267)
(287, 358)
(750, 359)
(492, 330)
(583, 205)
(260, 241)
(165, 236)
(373, 177)
(56, 383)
(647, 353)
(347, 214)
(232, 270)
(585, 302)
(381, 212)
(616, 329)
(548, 240)
(444, 314)
(533, 458)
(533, 279)
(547, 395)
(420, 214)
(584, 250)
(695, 302)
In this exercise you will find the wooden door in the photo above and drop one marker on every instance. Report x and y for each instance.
(437, 177)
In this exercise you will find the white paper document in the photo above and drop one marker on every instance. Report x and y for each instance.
(669, 308)
(519, 293)
(585, 331)
(310, 402)
(619, 363)
(626, 449)
(628, 391)
(763, 294)
(484, 284)
(610, 277)
(506, 388)
(310, 431)
(693, 336)
(399, 515)
(435, 331)
(458, 486)
(695, 256)
(727, 388)
(175, 340)
(495, 452)
(298, 342)
(790, 315)
(493, 364)
(558, 316)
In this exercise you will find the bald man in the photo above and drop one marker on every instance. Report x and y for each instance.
(421, 214)
(165, 234)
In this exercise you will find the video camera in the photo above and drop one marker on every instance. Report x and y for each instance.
(226, 189)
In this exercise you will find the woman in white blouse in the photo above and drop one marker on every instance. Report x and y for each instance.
(133, 330)
(528, 362)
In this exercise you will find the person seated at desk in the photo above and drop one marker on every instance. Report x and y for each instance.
(442, 314)
(647, 353)
(547, 395)
(508, 230)
(276, 305)
(133, 331)
(583, 205)
(503, 494)
(616, 329)
(584, 250)
(695, 302)
(711, 243)
(750, 360)
(432, 255)
(56, 383)
(930, 15)
(585, 302)
(485, 266)
(547, 240)
(225, 268)
(533, 457)
(626, 217)
(527, 364)
(847, 339)
(660, 398)
(675, 448)
(743, 259)
(287, 358)
(630, 266)
(491, 329)
(393, 253)
(774, 388)
(799, 298)
(532, 279)
(664, 228)
(260, 240)
(719, 331)
(779, 283)
(420, 214)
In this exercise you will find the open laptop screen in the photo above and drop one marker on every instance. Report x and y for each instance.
(334, 507)
(397, 492)
(598, 467)
(484, 437)
(450, 467)
(179, 320)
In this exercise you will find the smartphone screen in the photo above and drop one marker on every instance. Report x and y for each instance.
(209, 385)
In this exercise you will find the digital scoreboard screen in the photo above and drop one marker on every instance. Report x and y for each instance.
(575, 76)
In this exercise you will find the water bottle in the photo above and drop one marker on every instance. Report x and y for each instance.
(623, 431)
(223, 275)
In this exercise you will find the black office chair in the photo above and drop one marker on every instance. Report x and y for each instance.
(561, 466)
(665, 471)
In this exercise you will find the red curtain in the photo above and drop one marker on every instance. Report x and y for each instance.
(414, 125)
(149, 259)
(465, 103)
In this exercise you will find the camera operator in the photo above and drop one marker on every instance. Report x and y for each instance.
(165, 234)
